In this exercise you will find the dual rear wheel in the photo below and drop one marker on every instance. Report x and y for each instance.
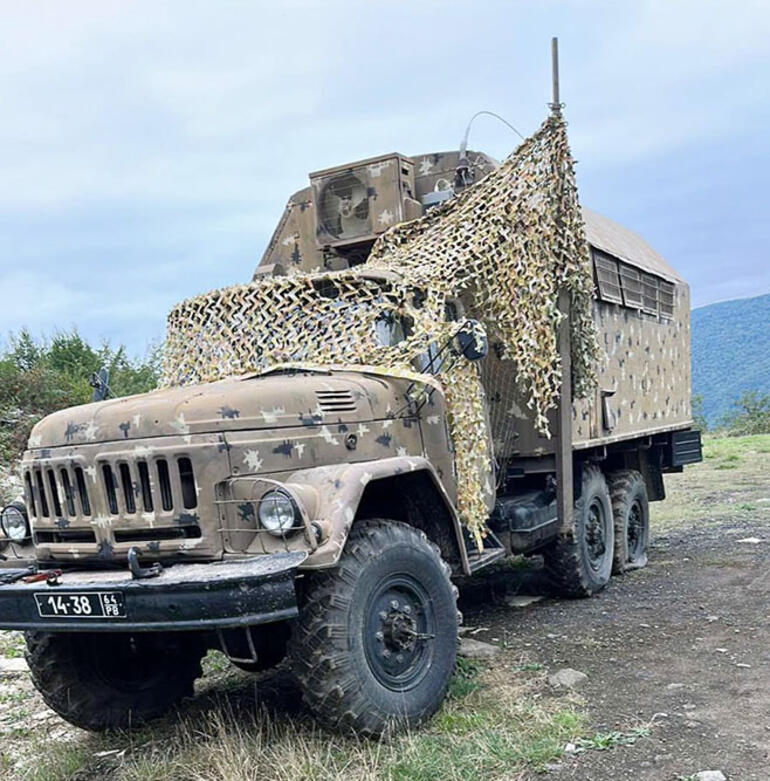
(610, 535)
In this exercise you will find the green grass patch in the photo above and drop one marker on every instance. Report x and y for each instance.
(602, 741)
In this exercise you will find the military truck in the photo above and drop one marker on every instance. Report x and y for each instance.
(314, 510)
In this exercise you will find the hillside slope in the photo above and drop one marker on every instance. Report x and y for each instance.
(730, 352)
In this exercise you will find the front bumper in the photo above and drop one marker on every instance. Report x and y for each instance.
(184, 597)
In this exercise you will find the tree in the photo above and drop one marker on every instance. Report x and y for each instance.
(750, 416)
(38, 377)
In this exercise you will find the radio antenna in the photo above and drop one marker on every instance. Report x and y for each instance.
(556, 104)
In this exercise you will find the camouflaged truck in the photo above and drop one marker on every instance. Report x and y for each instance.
(312, 514)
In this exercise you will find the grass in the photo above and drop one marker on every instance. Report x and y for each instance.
(730, 484)
(11, 645)
(490, 727)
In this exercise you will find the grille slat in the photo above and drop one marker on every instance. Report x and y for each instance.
(30, 491)
(80, 481)
(164, 485)
(41, 493)
(145, 486)
(109, 488)
(127, 485)
(69, 497)
(187, 482)
(54, 494)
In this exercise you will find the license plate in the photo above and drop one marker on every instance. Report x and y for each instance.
(85, 604)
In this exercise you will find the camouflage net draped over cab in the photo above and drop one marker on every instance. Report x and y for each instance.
(505, 247)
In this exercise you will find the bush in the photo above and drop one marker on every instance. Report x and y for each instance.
(40, 377)
(751, 415)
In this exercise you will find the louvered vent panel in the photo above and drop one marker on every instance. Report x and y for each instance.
(336, 400)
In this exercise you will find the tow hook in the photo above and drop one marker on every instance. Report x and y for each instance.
(142, 573)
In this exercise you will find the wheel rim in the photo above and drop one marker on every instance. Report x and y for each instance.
(398, 632)
(635, 531)
(596, 535)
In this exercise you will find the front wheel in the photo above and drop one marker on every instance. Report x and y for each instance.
(375, 643)
(112, 681)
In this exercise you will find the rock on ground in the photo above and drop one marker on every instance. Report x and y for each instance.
(710, 775)
(521, 600)
(475, 649)
(567, 678)
(13, 665)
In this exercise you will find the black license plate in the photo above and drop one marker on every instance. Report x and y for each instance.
(83, 604)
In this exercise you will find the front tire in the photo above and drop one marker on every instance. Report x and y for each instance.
(113, 681)
(581, 564)
(375, 643)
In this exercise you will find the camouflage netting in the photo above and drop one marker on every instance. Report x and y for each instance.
(505, 247)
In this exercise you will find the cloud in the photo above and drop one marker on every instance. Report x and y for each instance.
(147, 149)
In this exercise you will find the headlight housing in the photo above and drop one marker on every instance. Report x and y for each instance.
(14, 522)
(278, 512)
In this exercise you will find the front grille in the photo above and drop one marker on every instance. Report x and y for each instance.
(100, 507)
(127, 488)
(336, 400)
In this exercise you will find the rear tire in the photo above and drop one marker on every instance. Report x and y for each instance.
(581, 564)
(631, 511)
(113, 681)
(375, 643)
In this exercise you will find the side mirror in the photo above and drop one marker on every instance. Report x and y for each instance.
(471, 340)
(100, 383)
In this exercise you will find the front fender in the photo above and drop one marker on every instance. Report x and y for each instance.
(336, 491)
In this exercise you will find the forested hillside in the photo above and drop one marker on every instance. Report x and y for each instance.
(730, 353)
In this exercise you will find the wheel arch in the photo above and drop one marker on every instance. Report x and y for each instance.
(403, 488)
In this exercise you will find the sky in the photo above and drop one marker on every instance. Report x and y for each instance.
(147, 149)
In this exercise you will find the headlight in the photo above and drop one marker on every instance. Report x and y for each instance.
(277, 512)
(13, 520)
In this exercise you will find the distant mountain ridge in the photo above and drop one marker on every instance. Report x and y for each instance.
(730, 352)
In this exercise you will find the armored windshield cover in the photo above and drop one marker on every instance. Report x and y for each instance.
(505, 247)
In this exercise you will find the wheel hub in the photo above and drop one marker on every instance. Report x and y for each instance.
(594, 537)
(398, 633)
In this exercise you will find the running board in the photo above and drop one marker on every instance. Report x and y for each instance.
(493, 551)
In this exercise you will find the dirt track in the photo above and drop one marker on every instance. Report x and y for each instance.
(682, 646)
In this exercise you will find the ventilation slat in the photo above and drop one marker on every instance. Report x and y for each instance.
(187, 481)
(30, 491)
(127, 485)
(336, 400)
(631, 282)
(109, 488)
(650, 294)
(54, 494)
(607, 278)
(85, 503)
(69, 496)
(187, 532)
(164, 484)
(144, 484)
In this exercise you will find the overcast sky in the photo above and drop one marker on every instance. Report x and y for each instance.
(147, 149)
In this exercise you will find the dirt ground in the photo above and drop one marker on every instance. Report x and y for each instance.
(682, 647)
